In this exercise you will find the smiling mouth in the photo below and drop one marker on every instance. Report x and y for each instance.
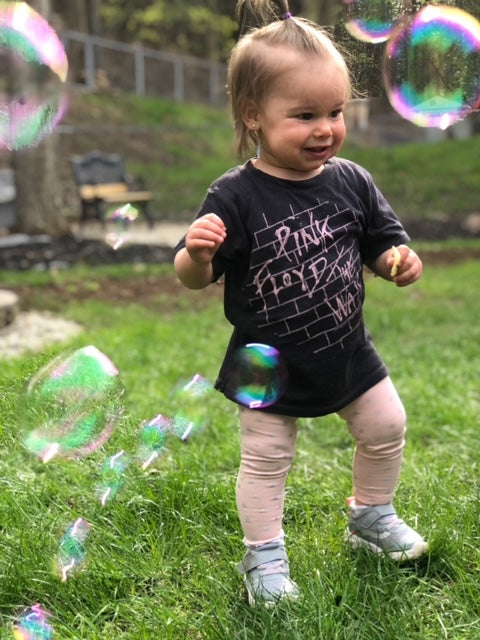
(317, 150)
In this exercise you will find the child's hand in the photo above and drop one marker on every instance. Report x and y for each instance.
(405, 266)
(204, 237)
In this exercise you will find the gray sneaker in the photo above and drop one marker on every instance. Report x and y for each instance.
(267, 575)
(381, 530)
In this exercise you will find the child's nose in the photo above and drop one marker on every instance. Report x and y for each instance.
(323, 128)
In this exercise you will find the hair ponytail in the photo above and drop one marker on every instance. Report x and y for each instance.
(264, 11)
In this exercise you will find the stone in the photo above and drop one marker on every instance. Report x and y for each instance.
(8, 307)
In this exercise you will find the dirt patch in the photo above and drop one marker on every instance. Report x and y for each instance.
(163, 293)
(160, 293)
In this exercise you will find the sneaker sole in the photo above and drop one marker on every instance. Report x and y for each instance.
(269, 604)
(416, 551)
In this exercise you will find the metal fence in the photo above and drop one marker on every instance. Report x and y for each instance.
(102, 64)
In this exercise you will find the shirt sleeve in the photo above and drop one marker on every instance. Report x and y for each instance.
(225, 204)
(383, 228)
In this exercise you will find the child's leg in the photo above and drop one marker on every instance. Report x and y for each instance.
(268, 449)
(377, 421)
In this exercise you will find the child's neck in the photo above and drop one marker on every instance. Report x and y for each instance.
(285, 173)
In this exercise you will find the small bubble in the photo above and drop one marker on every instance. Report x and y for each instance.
(71, 554)
(32, 624)
(113, 477)
(192, 413)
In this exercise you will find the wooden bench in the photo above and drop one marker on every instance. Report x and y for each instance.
(102, 182)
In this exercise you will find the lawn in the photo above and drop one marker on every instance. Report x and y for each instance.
(161, 555)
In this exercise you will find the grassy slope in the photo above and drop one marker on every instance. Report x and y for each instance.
(180, 148)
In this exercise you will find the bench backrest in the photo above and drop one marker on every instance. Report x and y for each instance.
(98, 168)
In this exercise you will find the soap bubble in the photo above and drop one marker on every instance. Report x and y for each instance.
(371, 20)
(432, 66)
(71, 553)
(153, 439)
(120, 221)
(112, 476)
(259, 375)
(33, 73)
(33, 625)
(192, 414)
(72, 405)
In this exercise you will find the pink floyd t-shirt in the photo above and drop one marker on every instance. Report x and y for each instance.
(293, 264)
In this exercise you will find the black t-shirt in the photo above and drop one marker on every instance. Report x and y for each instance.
(293, 266)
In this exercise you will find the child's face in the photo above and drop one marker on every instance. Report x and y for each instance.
(300, 123)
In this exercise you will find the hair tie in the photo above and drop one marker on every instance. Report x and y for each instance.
(288, 15)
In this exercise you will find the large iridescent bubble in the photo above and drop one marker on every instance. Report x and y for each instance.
(371, 20)
(432, 66)
(72, 405)
(33, 73)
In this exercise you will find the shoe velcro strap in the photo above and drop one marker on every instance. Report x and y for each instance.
(254, 559)
(372, 514)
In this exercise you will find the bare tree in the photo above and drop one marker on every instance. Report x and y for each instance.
(39, 203)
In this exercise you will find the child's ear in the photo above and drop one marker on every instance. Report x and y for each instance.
(250, 115)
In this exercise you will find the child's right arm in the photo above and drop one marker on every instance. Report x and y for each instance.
(193, 263)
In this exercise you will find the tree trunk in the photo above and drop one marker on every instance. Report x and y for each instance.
(39, 202)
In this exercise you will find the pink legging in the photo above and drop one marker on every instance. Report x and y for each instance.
(376, 421)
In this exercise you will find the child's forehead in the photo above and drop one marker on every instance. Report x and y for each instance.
(292, 63)
(310, 80)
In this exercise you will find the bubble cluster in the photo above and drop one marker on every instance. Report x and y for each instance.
(71, 554)
(371, 20)
(34, 69)
(70, 408)
(432, 66)
(120, 220)
(33, 624)
(259, 375)
(72, 405)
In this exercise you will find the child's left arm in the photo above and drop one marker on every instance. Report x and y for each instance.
(399, 264)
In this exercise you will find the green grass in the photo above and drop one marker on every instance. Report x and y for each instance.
(429, 180)
(161, 556)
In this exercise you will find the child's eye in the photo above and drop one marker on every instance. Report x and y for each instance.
(336, 114)
(305, 116)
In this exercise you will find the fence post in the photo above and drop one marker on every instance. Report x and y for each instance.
(139, 70)
(215, 86)
(90, 64)
(179, 81)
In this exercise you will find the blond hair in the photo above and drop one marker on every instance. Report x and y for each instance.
(255, 62)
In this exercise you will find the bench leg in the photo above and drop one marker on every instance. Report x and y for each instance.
(147, 212)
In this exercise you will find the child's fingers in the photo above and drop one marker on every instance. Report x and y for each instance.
(209, 227)
(394, 261)
(410, 268)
